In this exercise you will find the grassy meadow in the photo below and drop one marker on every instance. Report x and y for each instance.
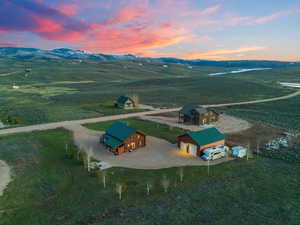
(58, 90)
(49, 188)
(284, 113)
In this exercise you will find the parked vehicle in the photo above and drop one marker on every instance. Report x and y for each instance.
(214, 153)
(239, 151)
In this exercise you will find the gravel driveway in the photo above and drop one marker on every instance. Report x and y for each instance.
(226, 124)
(157, 154)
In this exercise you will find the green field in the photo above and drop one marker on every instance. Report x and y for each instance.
(58, 90)
(48, 189)
(284, 113)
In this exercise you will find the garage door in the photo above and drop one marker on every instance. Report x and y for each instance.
(189, 148)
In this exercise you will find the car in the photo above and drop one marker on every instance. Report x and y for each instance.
(214, 153)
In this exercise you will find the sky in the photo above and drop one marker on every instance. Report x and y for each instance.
(189, 29)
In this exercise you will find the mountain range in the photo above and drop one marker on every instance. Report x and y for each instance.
(65, 53)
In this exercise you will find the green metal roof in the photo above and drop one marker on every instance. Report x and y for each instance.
(207, 136)
(120, 131)
(186, 110)
(111, 141)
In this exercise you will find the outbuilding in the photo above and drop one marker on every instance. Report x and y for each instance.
(125, 102)
(119, 138)
(195, 142)
(197, 115)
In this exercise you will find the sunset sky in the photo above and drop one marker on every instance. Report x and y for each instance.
(190, 29)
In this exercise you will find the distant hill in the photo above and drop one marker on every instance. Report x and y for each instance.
(65, 53)
(61, 53)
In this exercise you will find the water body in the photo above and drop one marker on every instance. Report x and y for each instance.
(238, 71)
(1, 125)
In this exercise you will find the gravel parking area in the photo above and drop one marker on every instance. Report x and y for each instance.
(157, 154)
(226, 124)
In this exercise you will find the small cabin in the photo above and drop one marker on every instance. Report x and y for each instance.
(195, 143)
(125, 102)
(197, 115)
(120, 138)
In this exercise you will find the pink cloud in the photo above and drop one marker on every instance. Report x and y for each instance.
(128, 14)
(269, 18)
(133, 38)
(68, 9)
(10, 45)
(274, 16)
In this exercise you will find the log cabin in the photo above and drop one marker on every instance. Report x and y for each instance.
(195, 143)
(197, 115)
(120, 138)
(125, 102)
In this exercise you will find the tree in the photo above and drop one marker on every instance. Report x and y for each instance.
(136, 99)
(79, 152)
(165, 183)
(249, 152)
(181, 174)
(119, 190)
(89, 155)
(208, 167)
(104, 178)
(149, 187)
(257, 146)
(67, 150)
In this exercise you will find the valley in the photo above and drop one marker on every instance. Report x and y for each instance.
(69, 89)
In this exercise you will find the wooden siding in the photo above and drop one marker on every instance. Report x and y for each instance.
(199, 119)
(188, 139)
(135, 141)
(185, 139)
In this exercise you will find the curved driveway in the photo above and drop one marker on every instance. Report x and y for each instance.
(49, 126)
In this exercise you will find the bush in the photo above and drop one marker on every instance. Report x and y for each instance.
(289, 155)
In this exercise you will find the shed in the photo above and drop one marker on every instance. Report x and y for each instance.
(125, 102)
(119, 138)
(195, 142)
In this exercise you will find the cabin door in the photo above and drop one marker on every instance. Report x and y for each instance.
(189, 148)
(133, 145)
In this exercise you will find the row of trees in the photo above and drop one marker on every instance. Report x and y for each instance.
(86, 157)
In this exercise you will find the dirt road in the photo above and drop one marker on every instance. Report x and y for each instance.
(48, 126)
(256, 101)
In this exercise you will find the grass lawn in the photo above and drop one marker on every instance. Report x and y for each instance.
(149, 128)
